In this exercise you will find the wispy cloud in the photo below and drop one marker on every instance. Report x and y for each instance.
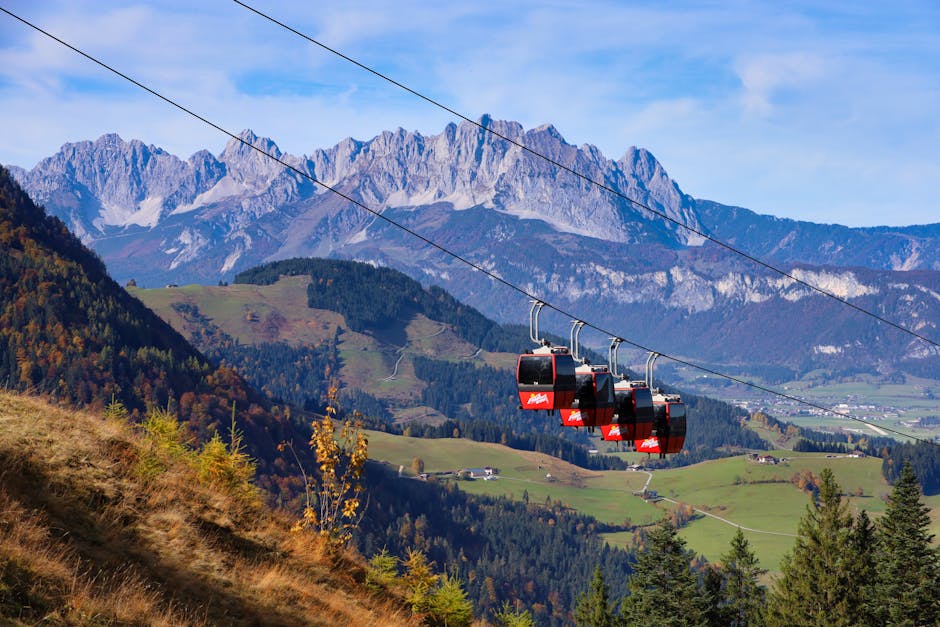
(765, 76)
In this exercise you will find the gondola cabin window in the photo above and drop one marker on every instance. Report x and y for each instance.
(536, 370)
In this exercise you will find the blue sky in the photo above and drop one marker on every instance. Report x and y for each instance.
(822, 111)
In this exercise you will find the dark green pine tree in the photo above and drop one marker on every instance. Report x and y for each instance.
(713, 589)
(663, 588)
(908, 568)
(593, 608)
(742, 597)
(865, 547)
(818, 585)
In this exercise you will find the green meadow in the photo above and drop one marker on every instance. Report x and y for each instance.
(762, 499)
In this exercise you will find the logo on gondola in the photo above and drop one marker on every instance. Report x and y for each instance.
(575, 416)
(537, 399)
(649, 443)
(614, 431)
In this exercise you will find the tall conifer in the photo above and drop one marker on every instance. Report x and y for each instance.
(743, 596)
(593, 608)
(909, 586)
(663, 588)
(864, 547)
(817, 586)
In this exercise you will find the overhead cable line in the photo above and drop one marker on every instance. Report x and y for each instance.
(588, 179)
(433, 244)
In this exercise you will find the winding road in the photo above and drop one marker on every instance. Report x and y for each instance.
(401, 352)
(649, 478)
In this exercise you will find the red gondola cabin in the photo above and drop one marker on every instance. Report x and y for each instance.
(546, 378)
(669, 426)
(593, 404)
(633, 412)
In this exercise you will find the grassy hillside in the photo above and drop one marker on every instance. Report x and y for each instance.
(86, 540)
(762, 498)
(250, 313)
(256, 314)
(590, 492)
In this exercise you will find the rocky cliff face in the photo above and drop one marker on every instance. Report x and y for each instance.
(159, 219)
(467, 167)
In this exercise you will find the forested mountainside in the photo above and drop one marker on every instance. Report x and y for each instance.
(924, 458)
(298, 375)
(540, 555)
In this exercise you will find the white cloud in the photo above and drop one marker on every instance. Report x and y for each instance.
(763, 76)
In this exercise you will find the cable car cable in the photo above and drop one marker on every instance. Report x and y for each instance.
(436, 245)
(590, 180)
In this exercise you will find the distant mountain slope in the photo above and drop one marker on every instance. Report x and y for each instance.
(793, 241)
(156, 218)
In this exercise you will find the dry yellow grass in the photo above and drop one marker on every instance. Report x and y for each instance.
(84, 540)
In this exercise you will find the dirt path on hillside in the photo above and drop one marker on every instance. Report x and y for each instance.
(724, 520)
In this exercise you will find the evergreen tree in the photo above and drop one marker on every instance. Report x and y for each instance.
(593, 608)
(713, 583)
(864, 549)
(818, 585)
(908, 566)
(508, 617)
(663, 588)
(382, 569)
(420, 581)
(448, 605)
(743, 597)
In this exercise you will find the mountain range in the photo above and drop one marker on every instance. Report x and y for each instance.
(158, 219)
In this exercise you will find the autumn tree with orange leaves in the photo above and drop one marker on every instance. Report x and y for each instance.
(334, 498)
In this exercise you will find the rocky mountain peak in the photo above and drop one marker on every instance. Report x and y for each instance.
(642, 163)
(245, 148)
(248, 170)
(109, 140)
(549, 130)
(507, 128)
(466, 166)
